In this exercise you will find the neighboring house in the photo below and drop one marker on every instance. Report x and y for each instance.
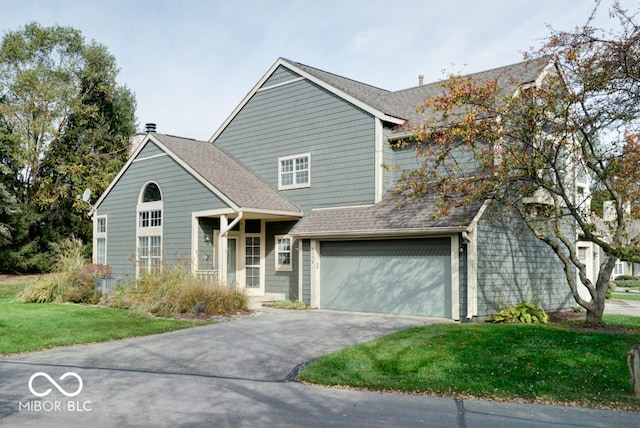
(290, 198)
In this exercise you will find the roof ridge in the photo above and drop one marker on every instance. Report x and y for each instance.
(336, 75)
(487, 71)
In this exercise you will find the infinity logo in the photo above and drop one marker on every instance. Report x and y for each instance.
(54, 383)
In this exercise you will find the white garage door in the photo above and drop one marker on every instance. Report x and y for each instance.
(397, 276)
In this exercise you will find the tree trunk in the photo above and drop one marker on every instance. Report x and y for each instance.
(595, 312)
(594, 316)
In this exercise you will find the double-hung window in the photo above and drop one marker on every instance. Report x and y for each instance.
(294, 171)
(283, 252)
(149, 229)
(100, 240)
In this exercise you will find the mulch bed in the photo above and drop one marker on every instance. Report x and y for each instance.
(560, 317)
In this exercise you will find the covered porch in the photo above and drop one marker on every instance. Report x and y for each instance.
(230, 247)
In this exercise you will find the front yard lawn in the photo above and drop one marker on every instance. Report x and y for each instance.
(34, 326)
(557, 364)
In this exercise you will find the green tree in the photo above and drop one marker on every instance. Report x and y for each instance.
(529, 146)
(68, 124)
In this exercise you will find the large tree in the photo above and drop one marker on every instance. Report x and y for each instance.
(525, 150)
(68, 123)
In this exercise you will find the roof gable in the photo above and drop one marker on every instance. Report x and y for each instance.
(349, 90)
(397, 107)
(223, 175)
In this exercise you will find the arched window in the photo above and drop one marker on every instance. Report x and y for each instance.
(151, 193)
(149, 228)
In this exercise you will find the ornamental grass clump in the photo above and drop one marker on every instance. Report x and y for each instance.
(72, 279)
(173, 291)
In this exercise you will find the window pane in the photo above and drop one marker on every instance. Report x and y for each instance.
(101, 225)
(302, 177)
(301, 163)
(151, 193)
(101, 251)
(286, 179)
(286, 166)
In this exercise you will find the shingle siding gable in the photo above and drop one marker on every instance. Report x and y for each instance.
(279, 76)
(181, 193)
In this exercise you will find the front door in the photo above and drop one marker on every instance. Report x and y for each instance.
(232, 260)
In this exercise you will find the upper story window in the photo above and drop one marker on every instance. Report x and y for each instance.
(151, 193)
(149, 229)
(294, 171)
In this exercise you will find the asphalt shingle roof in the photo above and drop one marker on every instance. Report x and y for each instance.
(248, 191)
(402, 104)
(227, 175)
(394, 215)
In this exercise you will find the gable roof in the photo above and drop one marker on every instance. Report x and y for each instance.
(222, 174)
(394, 216)
(398, 107)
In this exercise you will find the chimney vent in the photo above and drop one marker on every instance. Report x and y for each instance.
(420, 80)
(150, 127)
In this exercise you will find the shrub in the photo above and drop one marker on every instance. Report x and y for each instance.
(524, 312)
(174, 290)
(627, 278)
(72, 279)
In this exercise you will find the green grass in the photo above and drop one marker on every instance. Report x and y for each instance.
(34, 326)
(538, 363)
(626, 296)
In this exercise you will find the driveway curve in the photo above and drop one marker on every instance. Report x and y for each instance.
(238, 373)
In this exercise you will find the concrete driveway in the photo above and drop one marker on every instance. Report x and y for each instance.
(238, 373)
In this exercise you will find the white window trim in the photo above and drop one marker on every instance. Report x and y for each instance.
(283, 267)
(149, 231)
(295, 185)
(100, 235)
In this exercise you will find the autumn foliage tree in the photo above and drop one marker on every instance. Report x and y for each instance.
(525, 149)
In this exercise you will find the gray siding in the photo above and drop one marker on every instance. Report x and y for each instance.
(280, 75)
(402, 159)
(181, 193)
(150, 150)
(285, 282)
(299, 118)
(514, 267)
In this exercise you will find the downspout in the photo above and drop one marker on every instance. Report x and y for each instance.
(470, 236)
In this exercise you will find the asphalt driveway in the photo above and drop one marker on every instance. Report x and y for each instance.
(238, 373)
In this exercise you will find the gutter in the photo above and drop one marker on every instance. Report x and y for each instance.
(373, 234)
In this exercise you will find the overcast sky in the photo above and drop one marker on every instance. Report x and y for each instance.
(191, 62)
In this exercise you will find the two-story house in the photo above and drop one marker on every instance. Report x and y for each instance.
(290, 197)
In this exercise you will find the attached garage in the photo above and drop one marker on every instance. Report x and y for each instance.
(396, 276)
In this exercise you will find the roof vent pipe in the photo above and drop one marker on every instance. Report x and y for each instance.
(420, 80)
(150, 127)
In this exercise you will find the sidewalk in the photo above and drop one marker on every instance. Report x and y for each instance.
(622, 307)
